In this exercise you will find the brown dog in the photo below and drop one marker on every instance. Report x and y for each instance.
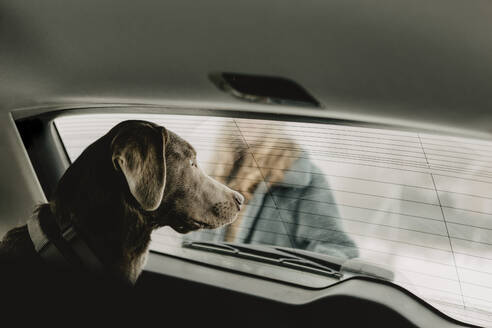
(136, 178)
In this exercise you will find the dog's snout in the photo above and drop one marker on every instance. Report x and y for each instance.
(239, 199)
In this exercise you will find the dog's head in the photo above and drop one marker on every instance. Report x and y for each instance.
(163, 176)
(154, 171)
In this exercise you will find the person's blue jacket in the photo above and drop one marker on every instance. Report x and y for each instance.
(300, 212)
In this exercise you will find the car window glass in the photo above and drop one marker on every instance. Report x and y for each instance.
(418, 203)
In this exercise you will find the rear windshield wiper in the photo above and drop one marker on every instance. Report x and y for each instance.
(296, 259)
(286, 257)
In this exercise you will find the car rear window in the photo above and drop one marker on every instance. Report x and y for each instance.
(417, 203)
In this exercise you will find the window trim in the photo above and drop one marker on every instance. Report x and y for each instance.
(49, 157)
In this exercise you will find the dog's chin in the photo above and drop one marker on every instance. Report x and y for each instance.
(193, 225)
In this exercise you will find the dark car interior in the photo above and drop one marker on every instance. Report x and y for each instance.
(409, 65)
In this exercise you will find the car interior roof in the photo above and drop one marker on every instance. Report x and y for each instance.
(417, 63)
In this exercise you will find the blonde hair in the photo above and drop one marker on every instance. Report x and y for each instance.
(249, 165)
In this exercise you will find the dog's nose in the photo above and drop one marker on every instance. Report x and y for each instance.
(239, 199)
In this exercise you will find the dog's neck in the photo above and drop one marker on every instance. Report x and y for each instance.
(95, 198)
(121, 243)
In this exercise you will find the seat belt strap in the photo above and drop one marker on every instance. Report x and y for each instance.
(64, 250)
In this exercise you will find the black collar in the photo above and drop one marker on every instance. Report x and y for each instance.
(62, 249)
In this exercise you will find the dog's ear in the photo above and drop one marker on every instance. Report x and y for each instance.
(138, 150)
